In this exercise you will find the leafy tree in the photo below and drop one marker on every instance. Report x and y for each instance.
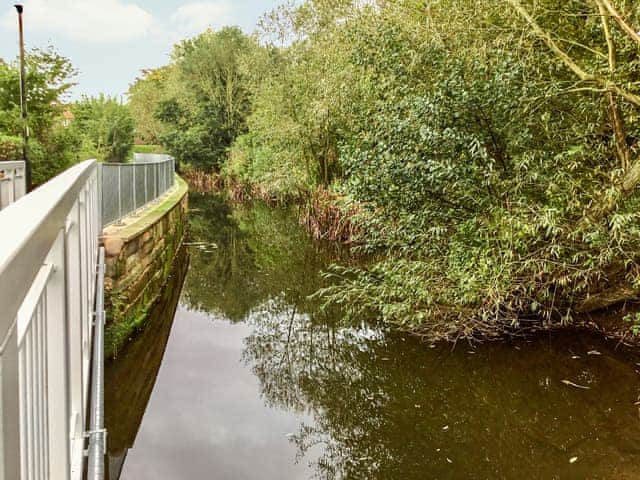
(493, 170)
(105, 126)
(205, 101)
(145, 93)
(48, 79)
(487, 148)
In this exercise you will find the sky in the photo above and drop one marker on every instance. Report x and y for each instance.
(110, 41)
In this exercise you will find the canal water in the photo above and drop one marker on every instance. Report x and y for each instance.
(241, 376)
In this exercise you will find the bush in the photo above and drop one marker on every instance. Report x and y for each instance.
(10, 147)
(106, 128)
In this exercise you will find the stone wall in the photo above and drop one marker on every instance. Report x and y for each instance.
(139, 256)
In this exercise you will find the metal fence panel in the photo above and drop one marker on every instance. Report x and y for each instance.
(139, 185)
(110, 194)
(126, 187)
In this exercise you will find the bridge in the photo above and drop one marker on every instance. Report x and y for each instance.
(52, 312)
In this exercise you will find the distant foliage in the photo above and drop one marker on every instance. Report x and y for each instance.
(197, 105)
(144, 95)
(105, 127)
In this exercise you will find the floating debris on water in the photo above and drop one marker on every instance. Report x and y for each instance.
(572, 384)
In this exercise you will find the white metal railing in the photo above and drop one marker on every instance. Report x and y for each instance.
(127, 187)
(13, 183)
(47, 286)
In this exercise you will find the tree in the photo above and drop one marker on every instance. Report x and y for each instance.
(145, 93)
(495, 187)
(49, 79)
(105, 126)
(206, 101)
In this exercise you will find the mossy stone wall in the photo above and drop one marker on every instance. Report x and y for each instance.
(139, 256)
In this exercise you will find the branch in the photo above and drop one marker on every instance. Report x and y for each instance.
(617, 123)
(568, 61)
(621, 21)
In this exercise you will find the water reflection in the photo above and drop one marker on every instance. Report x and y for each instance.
(386, 407)
(129, 380)
(247, 255)
(257, 378)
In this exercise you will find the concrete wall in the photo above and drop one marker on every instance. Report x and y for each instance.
(139, 256)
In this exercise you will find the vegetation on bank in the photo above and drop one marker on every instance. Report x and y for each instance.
(61, 132)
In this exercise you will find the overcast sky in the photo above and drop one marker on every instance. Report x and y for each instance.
(110, 41)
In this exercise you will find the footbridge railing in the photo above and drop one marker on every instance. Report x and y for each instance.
(52, 313)
(13, 183)
(48, 262)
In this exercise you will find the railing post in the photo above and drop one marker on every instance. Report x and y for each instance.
(99, 193)
(135, 203)
(57, 342)
(13, 184)
(74, 338)
(119, 193)
(146, 196)
(9, 407)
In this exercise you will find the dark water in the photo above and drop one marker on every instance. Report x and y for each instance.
(257, 383)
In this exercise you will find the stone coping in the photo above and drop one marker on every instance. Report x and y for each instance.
(114, 236)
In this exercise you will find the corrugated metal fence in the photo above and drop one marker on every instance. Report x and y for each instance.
(127, 187)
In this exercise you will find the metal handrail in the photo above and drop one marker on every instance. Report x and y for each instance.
(97, 433)
(23, 252)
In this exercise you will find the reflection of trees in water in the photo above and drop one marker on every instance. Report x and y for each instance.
(261, 253)
(386, 407)
(129, 379)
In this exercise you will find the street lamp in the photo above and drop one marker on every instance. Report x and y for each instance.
(23, 102)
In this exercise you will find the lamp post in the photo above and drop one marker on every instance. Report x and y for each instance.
(23, 102)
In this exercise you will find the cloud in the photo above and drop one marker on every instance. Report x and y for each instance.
(196, 17)
(95, 21)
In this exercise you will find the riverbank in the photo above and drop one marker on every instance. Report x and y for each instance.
(328, 216)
